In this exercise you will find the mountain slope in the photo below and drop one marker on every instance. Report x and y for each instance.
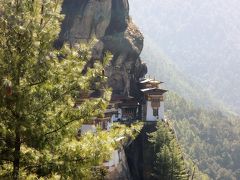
(163, 68)
(209, 138)
(201, 37)
(202, 66)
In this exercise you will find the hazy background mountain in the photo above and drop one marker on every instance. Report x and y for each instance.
(194, 46)
(163, 68)
(201, 37)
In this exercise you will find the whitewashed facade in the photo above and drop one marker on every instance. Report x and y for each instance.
(85, 128)
(150, 116)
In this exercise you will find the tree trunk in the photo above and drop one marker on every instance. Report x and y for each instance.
(16, 162)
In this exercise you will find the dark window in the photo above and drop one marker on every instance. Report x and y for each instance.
(129, 111)
(155, 112)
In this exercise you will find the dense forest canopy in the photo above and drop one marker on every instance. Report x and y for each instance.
(210, 138)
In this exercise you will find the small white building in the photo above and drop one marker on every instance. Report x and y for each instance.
(113, 162)
(116, 156)
(87, 128)
(127, 108)
(153, 105)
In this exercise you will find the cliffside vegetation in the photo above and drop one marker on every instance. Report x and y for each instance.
(209, 138)
(169, 162)
(38, 87)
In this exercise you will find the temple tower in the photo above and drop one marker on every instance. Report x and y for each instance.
(153, 105)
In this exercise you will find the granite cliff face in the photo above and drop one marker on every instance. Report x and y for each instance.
(109, 22)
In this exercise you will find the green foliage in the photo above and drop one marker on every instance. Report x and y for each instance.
(169, 163)
(38, 88)
(210, 138)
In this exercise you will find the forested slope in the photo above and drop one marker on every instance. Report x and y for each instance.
(210, 138)
(169, 162)
(193, 47)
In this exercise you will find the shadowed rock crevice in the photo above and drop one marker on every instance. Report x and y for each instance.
(140, 154)
(119, 18)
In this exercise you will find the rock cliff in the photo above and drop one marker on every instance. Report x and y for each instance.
(108, 21)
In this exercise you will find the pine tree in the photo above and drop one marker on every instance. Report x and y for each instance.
(169, 164)
(163, 164)
(38, 87)
(178, 166)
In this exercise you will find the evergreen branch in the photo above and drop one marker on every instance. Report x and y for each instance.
(53, 100)
(2, 139)
(6, 160)
(46, 22)
(30, 167)
(37, 83)
(58, 129)
(64, 125)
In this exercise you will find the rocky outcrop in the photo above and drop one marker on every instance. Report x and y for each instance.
(108, 21)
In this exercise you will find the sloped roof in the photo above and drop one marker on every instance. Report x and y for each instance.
(147, 89)
(150, 81)
(153, 90)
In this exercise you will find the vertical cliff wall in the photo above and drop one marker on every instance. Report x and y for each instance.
(140, 154)
(109, 22)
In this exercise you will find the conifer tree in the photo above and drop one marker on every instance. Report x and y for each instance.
(38, 87)
(169, 163)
